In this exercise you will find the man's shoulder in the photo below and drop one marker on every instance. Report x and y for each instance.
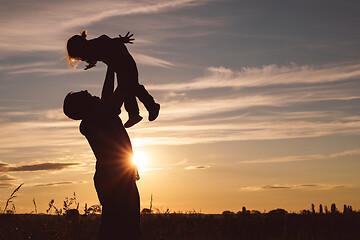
(102, 111)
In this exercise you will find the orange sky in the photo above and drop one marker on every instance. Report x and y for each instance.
(259, 102)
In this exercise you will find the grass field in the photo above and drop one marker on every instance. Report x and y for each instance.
(175, 226)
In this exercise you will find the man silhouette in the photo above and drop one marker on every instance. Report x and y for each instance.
(116, 175)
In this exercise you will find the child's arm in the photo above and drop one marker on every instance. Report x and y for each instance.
(103, 39)
(90, 64)
(127, 38)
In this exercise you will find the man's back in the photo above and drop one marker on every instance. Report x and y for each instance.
(108, 138)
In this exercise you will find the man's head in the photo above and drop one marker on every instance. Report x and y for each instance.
(78, 104)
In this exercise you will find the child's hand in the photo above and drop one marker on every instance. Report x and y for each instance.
(127, 38)
(90, 64)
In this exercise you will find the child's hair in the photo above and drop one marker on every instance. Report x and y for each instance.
(74, 106)
(76, 49)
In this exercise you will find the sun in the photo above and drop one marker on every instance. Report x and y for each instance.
(140, 159)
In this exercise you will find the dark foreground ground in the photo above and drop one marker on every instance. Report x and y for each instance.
(189, 226)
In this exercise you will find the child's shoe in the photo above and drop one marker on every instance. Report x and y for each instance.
(133, 119)
(154, 112)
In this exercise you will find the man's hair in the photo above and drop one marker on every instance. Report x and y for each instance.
(73, 106)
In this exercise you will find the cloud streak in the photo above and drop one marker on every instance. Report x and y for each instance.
(49, 166)
(220, 77)
(18, 18)
(250, 104)
(6, 180)
(355, 152)
(198, 167)
(293, 187)
(54, 184)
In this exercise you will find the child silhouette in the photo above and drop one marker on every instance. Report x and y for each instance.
(113, 52)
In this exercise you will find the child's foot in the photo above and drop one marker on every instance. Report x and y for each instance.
(133, 120)
(154, 112)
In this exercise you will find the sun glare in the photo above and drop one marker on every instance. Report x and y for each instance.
(140, 160)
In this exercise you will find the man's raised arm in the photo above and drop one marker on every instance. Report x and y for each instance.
(113, 99)
(108, 87)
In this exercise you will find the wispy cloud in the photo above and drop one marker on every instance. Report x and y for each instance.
(58, 66)
(6, 185)
(290, 187)
(150, 170)
(52, 184)
(32, 27)
(247, 112)
(6, 180)
(152, 61)
(198, 167)
(355, 152)
(219, 77)
(5, 177)
(49, 166)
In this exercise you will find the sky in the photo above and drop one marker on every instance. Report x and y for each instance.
(259, 102)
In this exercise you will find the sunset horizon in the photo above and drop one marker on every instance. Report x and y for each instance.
(259, 103)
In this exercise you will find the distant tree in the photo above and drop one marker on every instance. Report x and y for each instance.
(255, 212)
(321, 209)
(305, 211)
(243, 209)
(278, 211)
(333, 208)
(326, 210)
(312, 208)
(347, 209)
(227, 212)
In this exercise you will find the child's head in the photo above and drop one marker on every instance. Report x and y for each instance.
(77, 104)
(77, 47)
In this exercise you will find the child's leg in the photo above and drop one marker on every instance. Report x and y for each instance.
(131, 81)
(132, 108)
(148, 101)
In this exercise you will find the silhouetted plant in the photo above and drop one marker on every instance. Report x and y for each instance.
(321, 209)
(92, 209)
(334, 209)
(312, 208)
(326, 210)
(35, 208)
(146, 211)
(70, 201)
(9, 200)
(52, 206)
(151, 203)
